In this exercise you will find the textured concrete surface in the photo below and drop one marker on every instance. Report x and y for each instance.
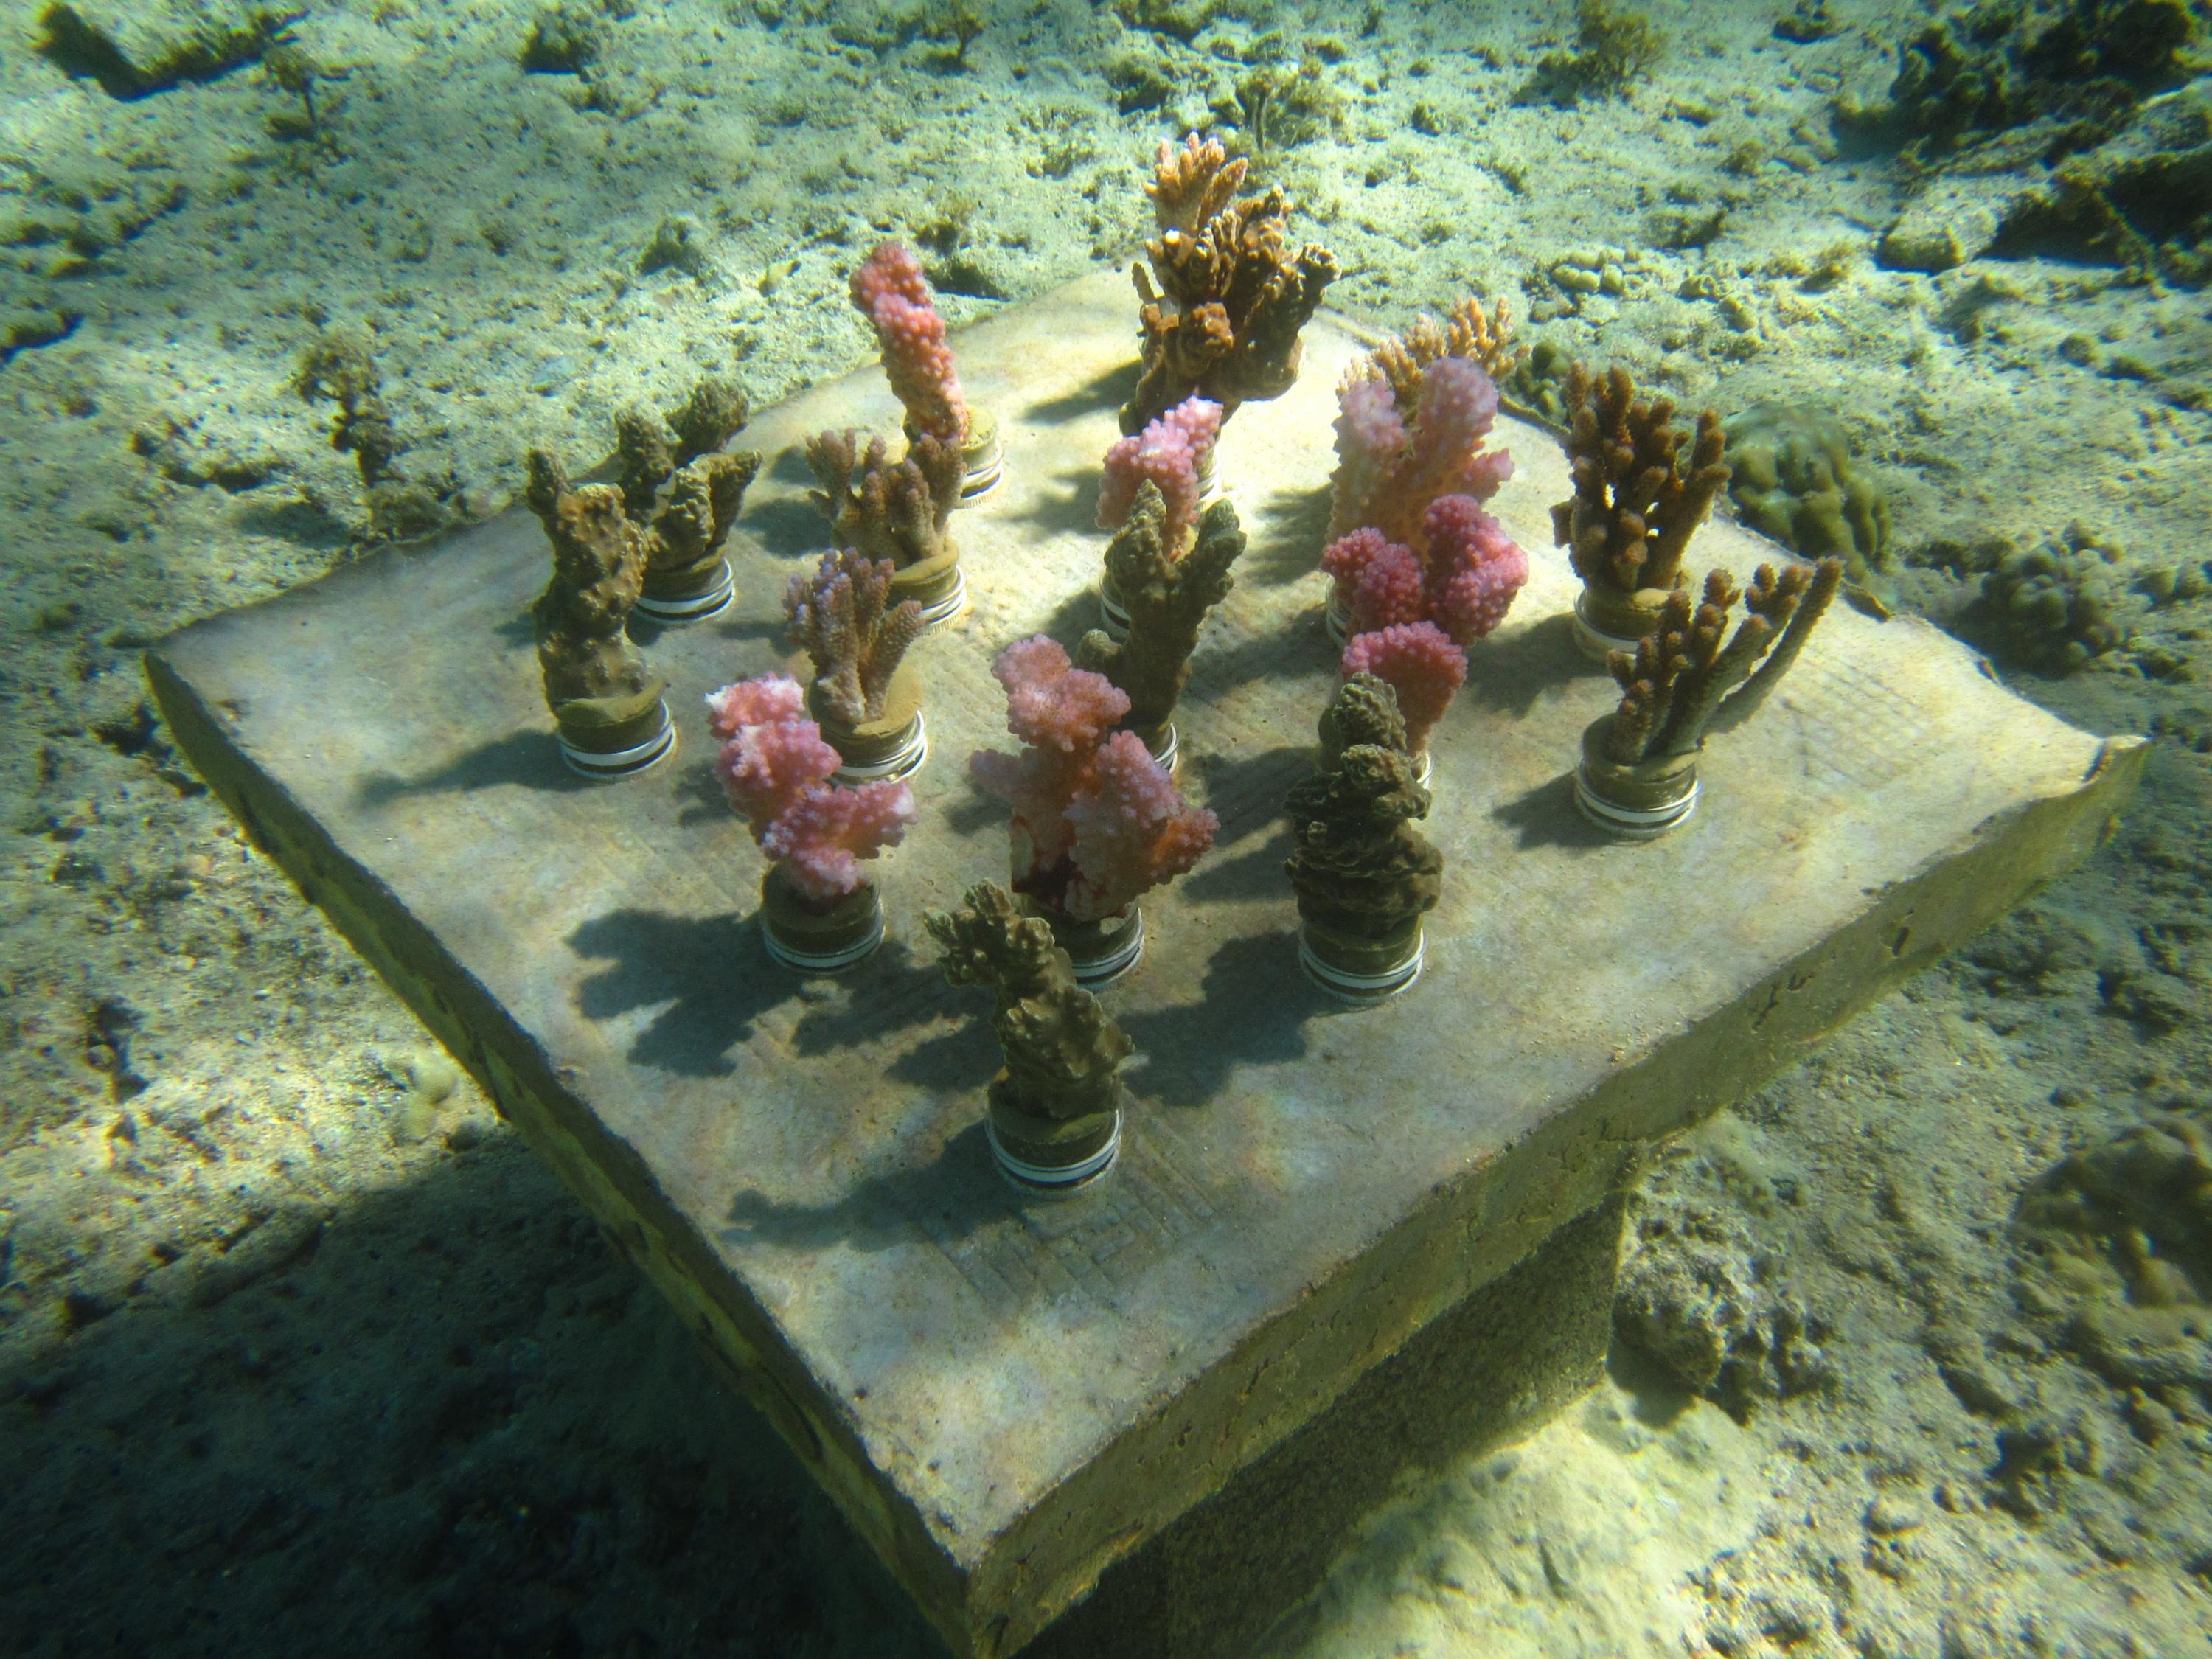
(1007, 1400)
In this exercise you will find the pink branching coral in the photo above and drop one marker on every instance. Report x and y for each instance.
(1464, 583)
(1096, 820)
(1475, 569)
(1169, 452)
(776, 769)
(841, 615)
(1420, 664)
(892, 293)
(1388, 472)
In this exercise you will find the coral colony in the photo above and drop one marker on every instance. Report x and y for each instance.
(818, 908)
(890, 290)
(1096, 821)
(1419, 573)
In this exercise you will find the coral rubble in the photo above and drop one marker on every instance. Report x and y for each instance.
(1063, 1055)
(1638, 494)
(1360, 869)
(1225, 297)
(889, 289)
(1096, 821)
(1171, 454)
(1688, 672)
(841, 615)
(1167, 598)
(776, 769)
(596, 683)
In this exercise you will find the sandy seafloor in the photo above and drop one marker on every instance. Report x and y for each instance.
(302, 1351)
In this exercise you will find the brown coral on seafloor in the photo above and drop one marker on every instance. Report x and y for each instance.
(1063, 1054)
(841, 616)
(895, 510)
(593, 675)
(1167, 599)
(1483, 337)
(682, 494)
(1682, 681)
(1230, 297)
(1638, 496)
(1360, 868)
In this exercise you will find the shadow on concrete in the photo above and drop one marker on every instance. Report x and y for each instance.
(1066, 506)
(683, 966)
(1246, 791)
(527, 759)
(1107, 390)
(1546, 816)
(1289, 547)
(954, 1195)
(1515, 671)
(1189, 1050)
(1256, 874)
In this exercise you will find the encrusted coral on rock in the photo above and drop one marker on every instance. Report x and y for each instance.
(1360, 869)
(1063, 1055)
(2054, 606)
(1792, 478)
(1168, 454)
(1167, 598)
(841, 616)
(680, 491)
(1397, 454)
(887, 509)
(594, 677)
(1096, 821)
(775, 770)
(1689, 673)
(1422, 667)
(890, 291)
(1223, 321)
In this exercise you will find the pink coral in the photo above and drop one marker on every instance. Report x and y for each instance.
(776, 769)
(892, 293)
(1388, 473)
(1423, 666)
(1475, 569)
(1377, 581)
(1096, 821)
(754, 702)
(1169, 453)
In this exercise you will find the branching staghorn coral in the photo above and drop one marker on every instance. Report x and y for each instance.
(1390, 469)
(1169, 453)
(1360, 869)
(1483, 337)
(1063, 1054)
(1464, 584)
(889, 289)
(593, 675)
(1167, 598)
(1096, 821)
(895, 510)
(1638, 496)
(841, 616)
(1688, 675)
(681, 494)
(1230, 297)
(1424, 669)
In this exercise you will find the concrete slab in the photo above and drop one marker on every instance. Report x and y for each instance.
(1008, 1398)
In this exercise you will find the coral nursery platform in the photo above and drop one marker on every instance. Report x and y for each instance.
(1336, 1239)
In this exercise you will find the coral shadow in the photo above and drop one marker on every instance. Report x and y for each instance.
(684, 963)
(1254, 874)
(951, 1198)
(526, 758)
(787, 527)
(1108, 390)
(1066, 506)
(1297, 526)
(1514, 672)
(1246, 792)
(1546, 816)
(1190, 1049)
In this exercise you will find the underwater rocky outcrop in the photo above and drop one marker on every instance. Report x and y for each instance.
(1792, 477)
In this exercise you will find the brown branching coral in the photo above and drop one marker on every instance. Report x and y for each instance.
(1225, 296)
(1637, 494)
(841, 616)
(1689, 675)
(1063, 1054)
(1361, 871)
(1167, 598)
(895, 510)
(682, 494)
(1485, 337)
(594, 677)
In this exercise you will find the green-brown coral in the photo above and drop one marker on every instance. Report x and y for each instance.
(681, 494)
(895, 510)
(593, 675)
(1167, 598)
(1639, 495)
(1791, 476)
(1614, 46)
(1688, 673)
(1360, 869)
(1063, 1054)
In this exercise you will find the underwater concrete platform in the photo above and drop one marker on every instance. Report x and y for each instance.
(1337, 1241)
